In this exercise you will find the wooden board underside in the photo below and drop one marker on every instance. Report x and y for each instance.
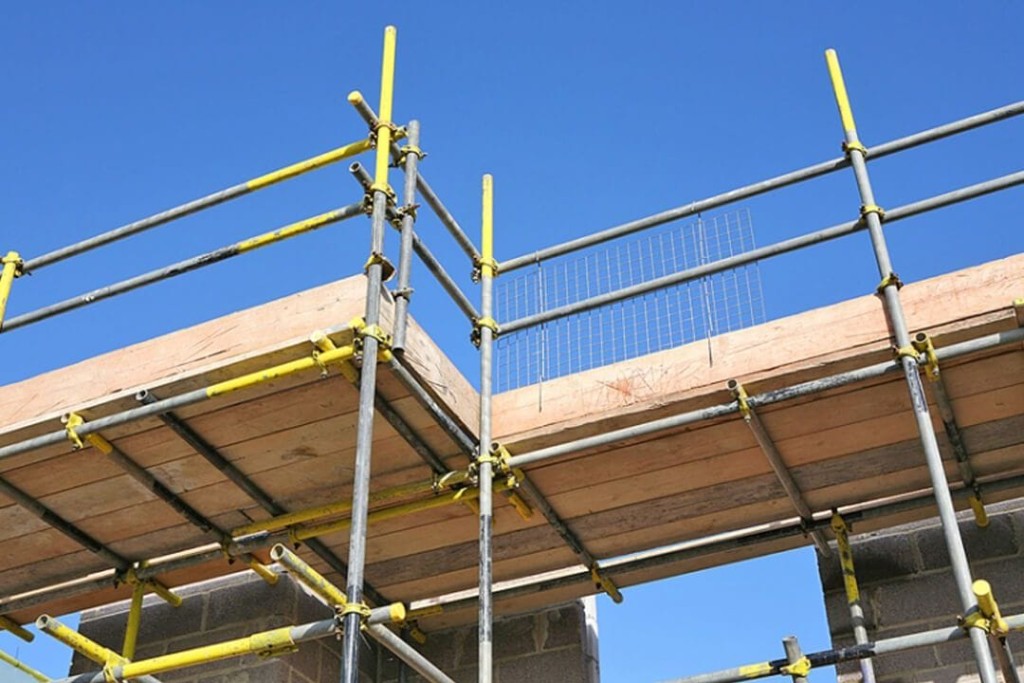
(296, 440)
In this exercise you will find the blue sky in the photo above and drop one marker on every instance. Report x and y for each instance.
(587, 114)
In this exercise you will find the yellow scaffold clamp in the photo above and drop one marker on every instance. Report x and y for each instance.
(801, 667)
(923, 344)
(856, 146)
(739, 392)
(405, 150)
(72, 421)
(481, 323)
(892, 279)
(500, 459)
(360, 608)
(987, 617)
(387, 268)
(867, 209)
(484, 266)
(362, 331)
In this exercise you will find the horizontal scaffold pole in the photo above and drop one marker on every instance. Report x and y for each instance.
(188, 265)
(265, 180)
(754, 189)
(783, 247)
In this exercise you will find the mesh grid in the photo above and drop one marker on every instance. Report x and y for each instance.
(651, 322)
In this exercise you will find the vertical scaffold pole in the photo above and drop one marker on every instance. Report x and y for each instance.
(486, 328)
(860, 632)
(354, 611)
(403, 292)
(889, 289)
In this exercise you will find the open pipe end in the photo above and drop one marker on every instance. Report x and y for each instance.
(921, 337)
(732, 385)
(355, 167)
(44, 622)
(355, 97)
(143, 396)
(277, 552)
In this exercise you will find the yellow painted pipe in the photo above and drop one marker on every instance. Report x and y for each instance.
(263, 571)
(21, 666)
(842, 533)
(387, 91)
(15, 629)
(988, 606)
(131, 630)
(342, 353)
(839, 89)
(77, 642)
(311, 164)
(11, 262)
(323, 344)
(342, 507)
(290, 230)
(487, 228)
(267, 644)
(304, 533)
(310, 577)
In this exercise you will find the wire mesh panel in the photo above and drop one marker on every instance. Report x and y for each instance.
(651, 322)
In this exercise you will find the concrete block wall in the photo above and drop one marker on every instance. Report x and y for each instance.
(557, 645)
(907, 586)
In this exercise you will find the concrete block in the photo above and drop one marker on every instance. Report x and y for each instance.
(251, 601)
(563, 626)
(920, 599)
(876, 558)
(996, 540)
(567, 665)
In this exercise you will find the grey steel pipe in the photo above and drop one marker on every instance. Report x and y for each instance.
(364, 110)
(485, 470)
(766, 398)
(405, 652)
(937, 636)
(304, 633)
(785, 246)
(371, 346)
(179, 268)
(403, 292)
(852, 590)
(894, 311)
(440, 413)
(763, 186)
(778, 465)
(793, 656)
(420, 249)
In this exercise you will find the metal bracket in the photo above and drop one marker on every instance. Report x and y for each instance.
(480, 323)
(406, 150)
(72, 421)
(855, 146)
(479, 263)
(923, 344)
(890, 279)
(801, 667)
(865, 209)
(604, 583)
(387, 268)
(13, 257)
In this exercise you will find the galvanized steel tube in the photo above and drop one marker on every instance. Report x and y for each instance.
(403, 292)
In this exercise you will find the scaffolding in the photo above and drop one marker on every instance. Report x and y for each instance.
(491, 468)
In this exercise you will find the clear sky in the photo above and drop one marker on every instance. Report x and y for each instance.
(587, 114)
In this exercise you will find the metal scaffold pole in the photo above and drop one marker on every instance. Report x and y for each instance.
(355, 611)
(872, 215)
(486, 327)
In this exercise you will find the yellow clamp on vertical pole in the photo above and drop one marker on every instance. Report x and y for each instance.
(801, 667)
(923, 344)
(360, 608)
(12, 268)
(385, 128)
(842, 532)
(604, 583)
(893, 280)
(480, 323)
(835, 73)
(989, 608)
(361, 330)
(866, 209)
